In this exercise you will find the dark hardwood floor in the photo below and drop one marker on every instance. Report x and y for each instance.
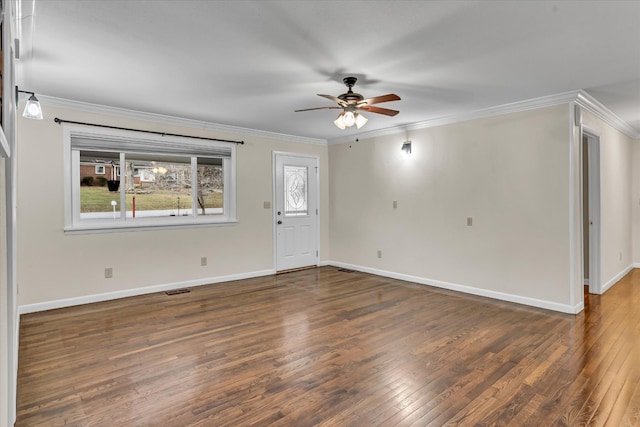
(333, 348)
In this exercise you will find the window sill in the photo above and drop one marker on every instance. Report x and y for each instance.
(120, 226)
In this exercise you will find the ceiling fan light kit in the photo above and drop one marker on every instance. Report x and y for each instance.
(360, 120)
(349, 118)
(350, 102)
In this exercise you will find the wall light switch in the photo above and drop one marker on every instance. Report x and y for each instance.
(395, 204)
(267, 205)
(469, 221)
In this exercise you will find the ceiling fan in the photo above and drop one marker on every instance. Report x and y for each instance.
(352, 102)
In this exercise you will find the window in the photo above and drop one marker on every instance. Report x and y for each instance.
(150, 182)
(99, 170)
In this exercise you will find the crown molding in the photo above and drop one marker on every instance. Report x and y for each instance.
(172, 120)
(591, 104)
(578, 96)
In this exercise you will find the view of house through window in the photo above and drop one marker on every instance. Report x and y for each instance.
(117, 180)
(154, 185)
(95, 197)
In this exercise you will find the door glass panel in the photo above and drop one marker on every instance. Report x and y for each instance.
(295, 189)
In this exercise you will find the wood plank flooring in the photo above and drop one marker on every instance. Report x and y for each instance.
(331, 348)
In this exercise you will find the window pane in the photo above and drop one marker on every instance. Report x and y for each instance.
(210, 186)
(97, 171)
(157, 186)
(115, 181)
(295, 187)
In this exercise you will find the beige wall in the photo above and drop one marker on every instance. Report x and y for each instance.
(510, 173)
(635, 201)
(615, 198)
(54, 266)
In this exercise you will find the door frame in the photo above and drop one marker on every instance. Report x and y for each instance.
(593, 145)
(274, 155)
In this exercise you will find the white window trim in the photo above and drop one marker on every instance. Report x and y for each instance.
(98, 168)
(73, 223)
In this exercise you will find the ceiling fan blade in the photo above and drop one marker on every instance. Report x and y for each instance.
(379, 99)
(334, 99)
(319, 108)
(385, 111)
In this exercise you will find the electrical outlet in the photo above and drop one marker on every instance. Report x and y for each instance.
(108, 273)
(469, 221)
(267, 205)
(379, 253)
(203, 261)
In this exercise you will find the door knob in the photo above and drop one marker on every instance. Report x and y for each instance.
(279, 222)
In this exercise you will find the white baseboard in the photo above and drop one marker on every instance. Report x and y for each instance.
(617, 277)
(549, 305)
(68, 302)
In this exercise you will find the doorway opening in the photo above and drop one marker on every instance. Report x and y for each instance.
(591, 211)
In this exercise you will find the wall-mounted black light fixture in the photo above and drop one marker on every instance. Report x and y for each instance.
(406, 148)
(32, 110)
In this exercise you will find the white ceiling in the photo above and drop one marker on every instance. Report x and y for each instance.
(252, 63)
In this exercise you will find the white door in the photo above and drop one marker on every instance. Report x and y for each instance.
(296, 211)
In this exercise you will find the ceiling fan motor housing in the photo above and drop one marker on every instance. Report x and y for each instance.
(350, 81)
(350, 97)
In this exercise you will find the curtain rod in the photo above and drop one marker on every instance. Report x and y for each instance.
(60, 121)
